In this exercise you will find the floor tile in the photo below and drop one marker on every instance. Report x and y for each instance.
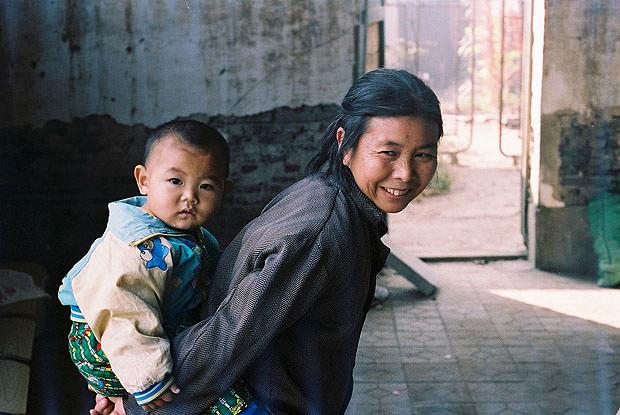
(376, 355)
(426, 354)
(379, 398)
(379, 372)
(485, 392)
(487, 354)
(512, 408)
(481, 371)
(444, 409)
(432, 372)
(378, 338)
(422, 338)
(473, 352)
(438, 392)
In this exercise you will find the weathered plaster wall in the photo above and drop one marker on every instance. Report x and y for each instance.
(85, 81)
(582, 46)
(149, 61)
(579, 145)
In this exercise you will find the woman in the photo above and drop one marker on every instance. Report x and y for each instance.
(293, 288)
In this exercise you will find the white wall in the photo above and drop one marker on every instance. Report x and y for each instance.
(151, 61)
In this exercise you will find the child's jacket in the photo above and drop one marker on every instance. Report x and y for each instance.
(139, 283)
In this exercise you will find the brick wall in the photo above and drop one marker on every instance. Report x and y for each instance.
(56, 181)
(589, 156)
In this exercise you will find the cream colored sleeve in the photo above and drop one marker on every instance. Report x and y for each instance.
(120, 292)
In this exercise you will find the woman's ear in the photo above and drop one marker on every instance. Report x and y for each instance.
(339, 138)
(142, 179)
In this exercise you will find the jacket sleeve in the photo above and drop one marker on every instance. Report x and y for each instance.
(209, 356)
(120, 292)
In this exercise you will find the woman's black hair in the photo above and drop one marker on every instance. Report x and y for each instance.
(378, 93)
(193, 133)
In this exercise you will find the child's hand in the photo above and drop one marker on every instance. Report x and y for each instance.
(163, 399)
(112, 405)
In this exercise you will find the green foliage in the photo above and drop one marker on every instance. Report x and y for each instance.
(441, 182)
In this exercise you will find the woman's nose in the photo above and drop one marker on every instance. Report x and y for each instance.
(404, 170)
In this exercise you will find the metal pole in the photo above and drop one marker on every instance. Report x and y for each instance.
(473, 76)
(525, 118)
(362, 40)
(453, 153)
(501, 81)
(417, 38)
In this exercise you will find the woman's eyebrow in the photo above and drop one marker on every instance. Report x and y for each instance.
(390, 143)
(430, 144)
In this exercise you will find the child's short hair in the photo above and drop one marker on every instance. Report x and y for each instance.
(193, 133)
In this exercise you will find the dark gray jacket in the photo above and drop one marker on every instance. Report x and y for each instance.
(288, 303)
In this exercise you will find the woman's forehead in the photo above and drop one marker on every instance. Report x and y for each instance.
(400, 130)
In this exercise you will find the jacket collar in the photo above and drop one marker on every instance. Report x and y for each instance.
(132, 225)
(376, 216)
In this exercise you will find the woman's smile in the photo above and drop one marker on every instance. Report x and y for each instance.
(396, 192)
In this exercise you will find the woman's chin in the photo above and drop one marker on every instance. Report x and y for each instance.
(392, 207)
(394, 204)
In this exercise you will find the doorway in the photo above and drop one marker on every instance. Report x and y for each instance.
(470, 53)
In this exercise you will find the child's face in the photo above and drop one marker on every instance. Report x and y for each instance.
(183, 185)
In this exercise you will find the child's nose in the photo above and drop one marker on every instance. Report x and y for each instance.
(190, 196)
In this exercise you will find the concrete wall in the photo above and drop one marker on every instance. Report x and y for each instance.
(86, 81)
(576, 127)
(149, 61)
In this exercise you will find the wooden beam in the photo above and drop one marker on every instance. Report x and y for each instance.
(414, 270)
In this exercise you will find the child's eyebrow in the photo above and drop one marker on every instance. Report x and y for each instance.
(212, 177)
(174, 170)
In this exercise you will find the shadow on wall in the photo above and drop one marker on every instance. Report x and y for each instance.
(57, 179)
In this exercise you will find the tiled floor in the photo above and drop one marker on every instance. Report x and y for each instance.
(470, 351)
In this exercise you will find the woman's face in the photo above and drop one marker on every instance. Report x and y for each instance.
(394, 160)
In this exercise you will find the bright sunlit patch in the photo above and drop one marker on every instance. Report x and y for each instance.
(601, 306)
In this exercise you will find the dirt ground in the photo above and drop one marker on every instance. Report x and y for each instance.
(480, 215)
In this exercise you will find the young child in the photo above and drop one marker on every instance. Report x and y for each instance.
(141, 281)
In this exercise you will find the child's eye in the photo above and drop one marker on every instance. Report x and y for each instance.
(175, 181)
(207, 186)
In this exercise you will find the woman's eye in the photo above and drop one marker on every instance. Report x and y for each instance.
(426, 155)
(389, 153)
(175, 181)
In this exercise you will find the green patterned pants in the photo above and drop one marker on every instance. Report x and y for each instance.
(92, 363)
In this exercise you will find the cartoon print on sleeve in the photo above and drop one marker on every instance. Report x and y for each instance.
(153, 253)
